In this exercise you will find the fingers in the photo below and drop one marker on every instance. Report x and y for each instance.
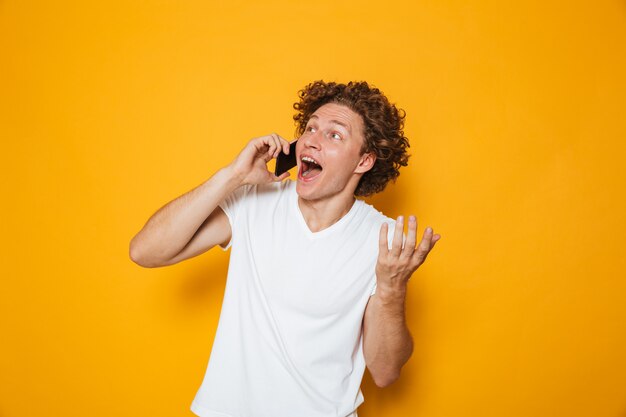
(383, 244)
(427, 243)
(274, 146)
(271, 145)
(285, 144)
(277, 144)
(408, 249)
(426, 239)
(396, 246)
(282, 176)
(409, 244)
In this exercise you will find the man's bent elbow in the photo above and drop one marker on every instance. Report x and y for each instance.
(386, 380)
(136, 257)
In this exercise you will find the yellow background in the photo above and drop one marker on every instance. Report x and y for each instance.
(516, 115)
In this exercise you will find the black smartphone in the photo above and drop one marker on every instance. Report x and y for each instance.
(285, 162)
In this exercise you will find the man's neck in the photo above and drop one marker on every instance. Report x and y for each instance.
(321, 214)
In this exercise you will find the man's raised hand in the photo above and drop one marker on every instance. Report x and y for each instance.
(250, 166)
(396, 265)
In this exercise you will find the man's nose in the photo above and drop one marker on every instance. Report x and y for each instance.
(313, 140)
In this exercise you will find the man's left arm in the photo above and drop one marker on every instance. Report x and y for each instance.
(387, 343)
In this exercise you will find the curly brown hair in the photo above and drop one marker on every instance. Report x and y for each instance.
(383, 126)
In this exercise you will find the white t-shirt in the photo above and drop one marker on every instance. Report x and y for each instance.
(289, 337)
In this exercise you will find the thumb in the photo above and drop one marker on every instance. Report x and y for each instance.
(282, 176)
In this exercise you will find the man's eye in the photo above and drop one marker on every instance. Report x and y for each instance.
(337, 134)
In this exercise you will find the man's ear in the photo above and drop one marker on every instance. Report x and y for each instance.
(366, 163)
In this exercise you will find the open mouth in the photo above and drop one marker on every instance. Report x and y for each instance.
(310, 168)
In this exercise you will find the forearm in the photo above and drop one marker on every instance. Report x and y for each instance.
(388, 344)
(168, 230)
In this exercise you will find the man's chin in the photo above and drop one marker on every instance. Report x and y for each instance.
(302, 189)
(305, 190)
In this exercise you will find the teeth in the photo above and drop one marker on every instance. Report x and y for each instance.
(309, 159)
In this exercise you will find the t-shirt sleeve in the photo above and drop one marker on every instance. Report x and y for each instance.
(390, 231)
(232, 206)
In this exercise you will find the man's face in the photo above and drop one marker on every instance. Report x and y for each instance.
(329, 153)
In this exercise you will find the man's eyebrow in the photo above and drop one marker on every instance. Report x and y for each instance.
(336, 122)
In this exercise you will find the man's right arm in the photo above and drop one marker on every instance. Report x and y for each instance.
(194, 223)
(182, 225)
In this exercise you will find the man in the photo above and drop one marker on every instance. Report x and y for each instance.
(317, 279)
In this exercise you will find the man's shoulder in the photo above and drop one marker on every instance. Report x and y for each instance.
(276, 186)
(372, 214)
(267, 194)
(273, 189)
(374, 219)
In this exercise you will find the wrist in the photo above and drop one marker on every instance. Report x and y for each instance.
(393, 294)
(233, 176)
